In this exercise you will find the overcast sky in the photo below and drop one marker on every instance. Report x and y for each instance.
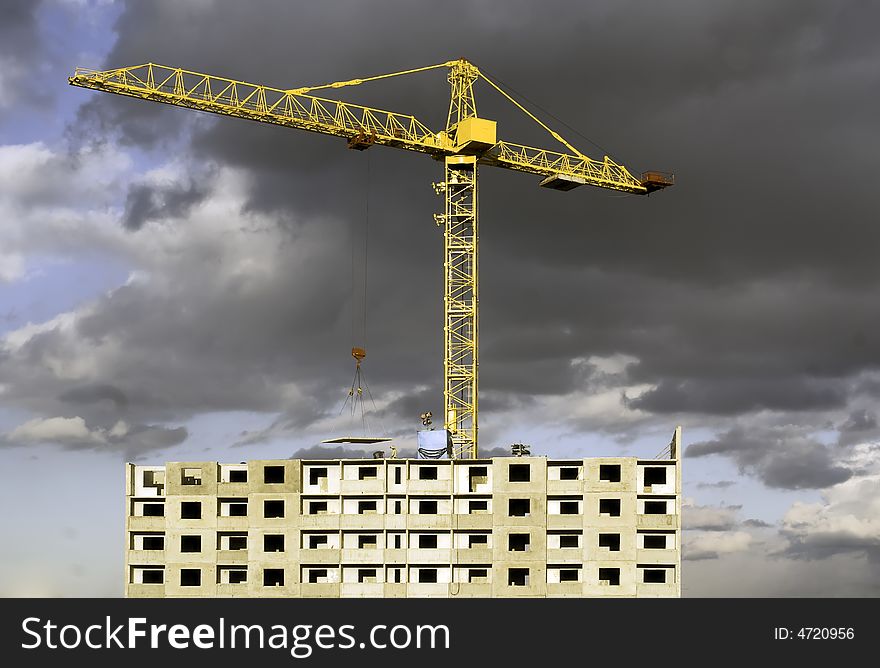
(177, 286)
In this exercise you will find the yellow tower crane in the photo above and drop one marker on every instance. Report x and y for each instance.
(466, 143)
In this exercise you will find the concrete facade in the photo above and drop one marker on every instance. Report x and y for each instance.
(502, 527)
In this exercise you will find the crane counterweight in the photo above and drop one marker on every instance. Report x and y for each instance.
(657, 180)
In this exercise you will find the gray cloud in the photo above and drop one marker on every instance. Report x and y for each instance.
(845, 522)
(142, 438)
(733, 397)
(860, 426)
(782, 457)
(88, 394)
(729, 292)
(711, 532)
(146, 202)
(333, 452)
(720, 484)
(699, 546)
(18, 25)
(725, 350)
(75, 433)
(756, 572)
(859, 421)
(709, 518)
(757, 524)
(20, 50)
(323, 451)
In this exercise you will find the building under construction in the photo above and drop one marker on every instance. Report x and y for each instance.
(502, 527)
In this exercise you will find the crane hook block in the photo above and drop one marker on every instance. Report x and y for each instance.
(362, 140)
(358, 353)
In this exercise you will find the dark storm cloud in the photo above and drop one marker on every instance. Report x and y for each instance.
(118, 121)
(351, 452)
(732, 292)
(782, 457)
(727, 68)
(20, 51)
(145, 437)
(331, 452)
(146, 202)
(407, 408)
(733, 397)
(828, 545)
(859, 421)
(87, 394)
(18, 25)
(860, 426)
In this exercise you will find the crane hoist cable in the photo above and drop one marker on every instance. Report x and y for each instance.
(366, 245)
(359, 297)
(359, 302)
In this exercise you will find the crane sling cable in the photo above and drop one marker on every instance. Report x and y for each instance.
(356, 394)
(466, 142)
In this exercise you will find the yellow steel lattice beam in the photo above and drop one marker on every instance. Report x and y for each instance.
(605, 174)
(241, 99)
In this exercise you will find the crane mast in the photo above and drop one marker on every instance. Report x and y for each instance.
(467, 142)
(460, 296)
